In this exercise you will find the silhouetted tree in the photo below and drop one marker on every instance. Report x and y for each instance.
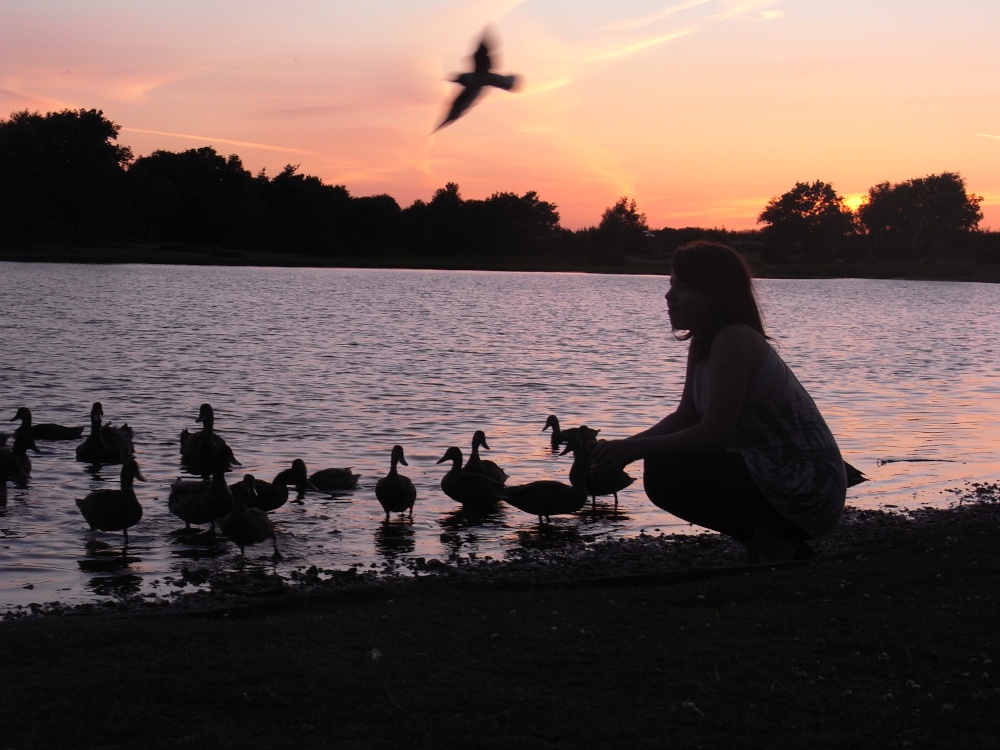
(622, 230)
(921, 216)
(61, 176)
(306, 214)
(372, 225)
(811, 218)
(195, 196)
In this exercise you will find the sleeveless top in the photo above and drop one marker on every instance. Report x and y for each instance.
(787, 446)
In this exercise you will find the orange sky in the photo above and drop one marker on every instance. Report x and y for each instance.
(700, 110)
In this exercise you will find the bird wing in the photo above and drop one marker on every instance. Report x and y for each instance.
(462, 102)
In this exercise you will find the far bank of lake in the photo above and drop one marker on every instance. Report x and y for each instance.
(652, 263)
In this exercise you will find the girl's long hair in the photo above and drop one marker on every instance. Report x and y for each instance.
(724, 275)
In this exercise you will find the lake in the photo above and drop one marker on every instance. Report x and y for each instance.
(335, 366)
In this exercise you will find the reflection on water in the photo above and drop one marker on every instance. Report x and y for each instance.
(336, 366)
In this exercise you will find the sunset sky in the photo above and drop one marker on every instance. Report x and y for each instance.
(700, 110)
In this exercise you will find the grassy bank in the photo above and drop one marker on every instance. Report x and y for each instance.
(892, 642)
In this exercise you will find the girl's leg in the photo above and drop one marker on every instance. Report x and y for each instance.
(716, 490)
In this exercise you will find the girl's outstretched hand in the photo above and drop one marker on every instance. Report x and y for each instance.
(612, 455)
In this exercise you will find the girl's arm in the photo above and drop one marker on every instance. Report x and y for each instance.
(737, 352)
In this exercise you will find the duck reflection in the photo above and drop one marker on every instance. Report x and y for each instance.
(394, 539)
(102, 557)
(119, 586)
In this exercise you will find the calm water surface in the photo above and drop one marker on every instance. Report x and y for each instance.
(336, 366)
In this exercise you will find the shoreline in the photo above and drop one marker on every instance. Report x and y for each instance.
(890, 643)
(653, 263)
(539, 562)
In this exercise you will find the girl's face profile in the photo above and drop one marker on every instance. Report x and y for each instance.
(689, 309)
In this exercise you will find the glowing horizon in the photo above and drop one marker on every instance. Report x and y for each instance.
(700, 110)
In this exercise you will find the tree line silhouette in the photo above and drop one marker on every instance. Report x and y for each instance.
(65, 179)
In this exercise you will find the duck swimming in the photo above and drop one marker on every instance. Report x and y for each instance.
(270, 496)
(199, 449)
(114, 510)
(395, 492)
(479, 465)
(331, 480)
(559, 436)
(244, 525)
(105, 444)
(472, 490)
(45, 431)
(199, 501)
(548, 497)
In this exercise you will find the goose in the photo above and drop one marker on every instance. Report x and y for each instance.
(331, 480)
(395, 492)
(483, 466)
(114, 510)
(470, 489)
(609, 482)
(46, 431)
(199, 501)
(559, 436)
(548, 497)
(105, 444)
(244, 525)
(199, 449)
(270, 496)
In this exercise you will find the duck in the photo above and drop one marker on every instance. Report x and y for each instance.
(245, 525)
(395, 492)
(472, 490)
(559, 436)
(114, 510)
(479, 465)
(331, 480)
(547, 497)
(23, 442)
(106, 444)
(608, 482)
(270, 496)
(200, 501)
(45, 431)
(9, 471)
(199, 449)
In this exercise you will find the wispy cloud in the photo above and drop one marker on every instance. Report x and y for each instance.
(227, 141)
(638, 23)
(987, 135)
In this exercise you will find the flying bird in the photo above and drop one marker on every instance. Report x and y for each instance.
(473, 83)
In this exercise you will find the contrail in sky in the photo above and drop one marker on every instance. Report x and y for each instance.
(247, 144)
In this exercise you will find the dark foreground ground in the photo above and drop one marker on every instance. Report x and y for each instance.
(887, 640)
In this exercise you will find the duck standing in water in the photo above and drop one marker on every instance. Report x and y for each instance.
(45, 431)
(23, 442)
(607, 482)
(270, 496)
(473, 490)
(200, 449)
(395, 492)
(114, 510)
(548, 497)
(244, 525)
(199, 501)
(478, 465)
(106, 444)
